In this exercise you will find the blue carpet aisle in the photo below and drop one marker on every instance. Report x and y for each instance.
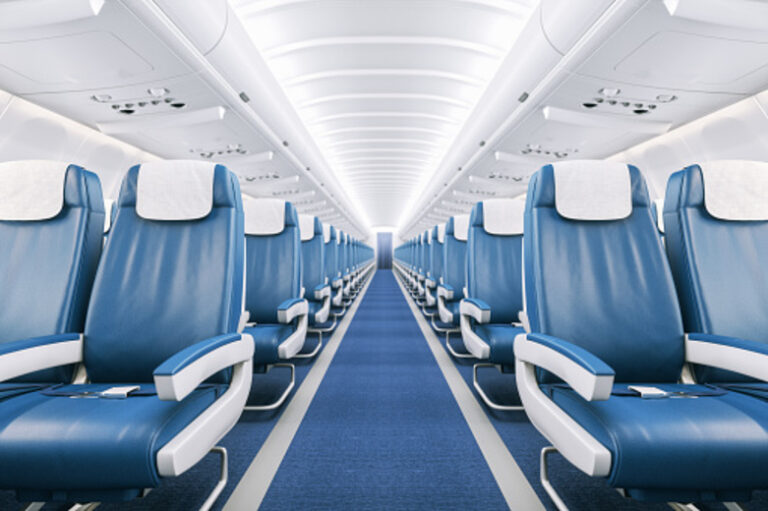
(383, 431)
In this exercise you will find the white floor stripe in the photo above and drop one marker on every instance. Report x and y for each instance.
(254, 484)
(514, 486)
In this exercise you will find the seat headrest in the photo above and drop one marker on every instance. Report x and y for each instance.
(441, 233)
(736, 190)
(592, 190)
(658, 211)
(461, 227)
(307, 227)
(428, 236)
(175, 190)
(31, 189)
(503, 217)
(264, 217)
(328, 233)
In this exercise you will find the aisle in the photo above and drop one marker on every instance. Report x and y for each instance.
(383, 431)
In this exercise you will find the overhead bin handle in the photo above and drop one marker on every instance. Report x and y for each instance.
(746, 14)
(19, 14)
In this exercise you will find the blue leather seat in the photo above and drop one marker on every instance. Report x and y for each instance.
(150, 416)
(604, 316)
(718, 261)
(435, 276)
(339, 308)
(315, 282)
(278, 313)
(40, 254)
(490, 313)
(428, 300)
(450, 291)
(332, 279)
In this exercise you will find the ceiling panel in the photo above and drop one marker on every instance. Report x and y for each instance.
(384, 86)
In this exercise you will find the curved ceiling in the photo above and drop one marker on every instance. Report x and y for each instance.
(384, 86)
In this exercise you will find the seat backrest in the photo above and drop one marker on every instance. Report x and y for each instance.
(716, 219)
(312, 249)
(494, 257)
(273, 257)
(436, 255)
(595, 270)
(455, 253)
(51, 223)
(171, 273)
(342, 246)
(331, 251)
(426, 252)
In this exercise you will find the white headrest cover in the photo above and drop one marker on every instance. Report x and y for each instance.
(307, 227)
(461, 227)
(660, 214)
(503, 217)
(441, 233)
(593, 190)
(339, 235)
(736, 189)
(175, 190)
(326, 233)
(31, 189)
(264, 217)
(428, 237)
(108, 205)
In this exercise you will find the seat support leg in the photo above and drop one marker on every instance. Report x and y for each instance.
(221, 483)
(34, 506)
(682, 507)
(452, 351)
(484, 397)
(90, 506)
(544, 477)
(282, 398)
(317, 348)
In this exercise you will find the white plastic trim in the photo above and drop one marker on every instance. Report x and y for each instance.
(589, 386)
(445, 293)
(441, 233)
(729, 358)
(472, 342)
(736, 189)
(192, 443)
(322, 293)
(19, 363)
(503, 217)
(461, 227)
(295, 342)
(574, 443)
(592, 190)
(178, 386)
(446, 316)
(263, 217)
(175, 190)
(321, 316)
(285, 316)
(307, 227)
(31, 189)
(469, 309)
(326, 233)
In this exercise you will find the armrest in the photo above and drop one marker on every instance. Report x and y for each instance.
(476, 309)
(337, 282)
(322, 291)
(742, 356)
(445, 291)
(18, 358)
(290, 309)
(589, 376)
(430, 283)
(186, 370)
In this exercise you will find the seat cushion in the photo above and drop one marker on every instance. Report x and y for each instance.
(51, 443)
(266, 339)
(501, 339)
(693, 447)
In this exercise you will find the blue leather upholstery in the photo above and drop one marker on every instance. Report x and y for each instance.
(331, 255)
(267, 339)
(719, 270)
(592, 289)
(47, 268)
(143, 291)
(684, 450)
(606, 287)
(160, 287)
(500, 338)
(313, 266)
(436, 257)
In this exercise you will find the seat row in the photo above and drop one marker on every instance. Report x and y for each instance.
(124, 361)
(640, 357)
